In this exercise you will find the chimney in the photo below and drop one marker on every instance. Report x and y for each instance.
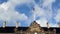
(16, 24)
(4, 24)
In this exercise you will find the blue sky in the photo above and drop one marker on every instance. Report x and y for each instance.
(22, 11)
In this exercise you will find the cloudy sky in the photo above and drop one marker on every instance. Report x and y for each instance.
(21, 11)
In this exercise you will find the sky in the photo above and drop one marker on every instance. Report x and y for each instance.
(45, 11)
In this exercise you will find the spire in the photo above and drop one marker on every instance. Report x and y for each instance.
(4, 24)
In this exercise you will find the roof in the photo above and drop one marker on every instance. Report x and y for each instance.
(11, 29)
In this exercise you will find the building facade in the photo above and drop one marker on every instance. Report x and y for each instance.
(35, 28)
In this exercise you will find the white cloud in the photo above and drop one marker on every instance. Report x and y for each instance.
(48, 2)
(45, 14)
(53, 25)
(57, 18)
(39, 11)
(42, 12)
(42, 22)
(15, 2)
(4, 6)
(7, 11)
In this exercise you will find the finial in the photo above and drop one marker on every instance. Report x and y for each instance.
(4, 24)
(59, 24)
(16, 24)
(48, 25)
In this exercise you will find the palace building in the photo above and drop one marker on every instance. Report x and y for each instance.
(34, 28)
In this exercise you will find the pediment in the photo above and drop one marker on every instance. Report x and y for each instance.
(34, 27)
